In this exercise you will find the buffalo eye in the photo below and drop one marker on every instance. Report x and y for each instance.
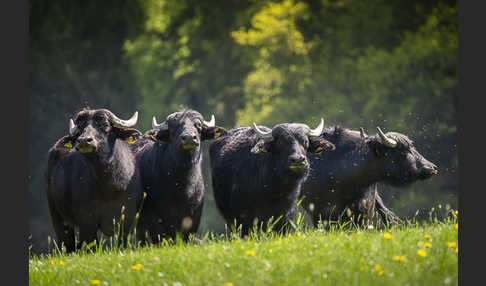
(198, 125)
(306, 144)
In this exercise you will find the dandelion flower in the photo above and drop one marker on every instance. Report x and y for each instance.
(228, 284)
(421, 253)
(61, 262)
(137, 266)
(381, 272)
(399, 258)
(452, 244)
(428, 236)
(456, 212)
(456, 251)
(377, 267)
(457, 226)
(428, 244)
(387, 235)
(250, 252)
(95, 282)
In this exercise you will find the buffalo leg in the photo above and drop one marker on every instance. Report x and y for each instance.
(64, 233)
(86, 235)
(386, 214)
(366, 206)
(327, 215)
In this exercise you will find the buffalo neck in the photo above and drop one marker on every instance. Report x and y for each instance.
(283, 182)
(355, 167)
(176, 173)
(114, 165)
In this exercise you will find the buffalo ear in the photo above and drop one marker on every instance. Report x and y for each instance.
(377, 148)
(214, 133)
(66, 142)
(260, 147)
(318, 145)
(130, 135)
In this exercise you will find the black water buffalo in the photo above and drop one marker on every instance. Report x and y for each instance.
(169, 159)
(257, 172)
(91, 177)
(348, 176)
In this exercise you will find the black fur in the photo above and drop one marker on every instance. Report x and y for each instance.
(171, 176)
(252, 179)
(88, 190)
(348, 176)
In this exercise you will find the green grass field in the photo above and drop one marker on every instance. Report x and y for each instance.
(416, 254)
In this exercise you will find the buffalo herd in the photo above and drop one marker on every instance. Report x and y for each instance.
(106, 172)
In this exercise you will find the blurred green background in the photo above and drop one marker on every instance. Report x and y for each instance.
(356, 63)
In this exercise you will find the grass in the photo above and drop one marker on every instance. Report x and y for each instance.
(340, 256)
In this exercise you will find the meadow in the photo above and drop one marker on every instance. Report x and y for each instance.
(416, 253)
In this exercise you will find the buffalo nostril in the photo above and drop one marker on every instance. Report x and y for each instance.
(188, 137)
(429, 169)
(85, 139)
(298, 160)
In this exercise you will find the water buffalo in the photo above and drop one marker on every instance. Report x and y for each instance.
(91, 177)
(169, 159)
(348, 176)
(257, 172)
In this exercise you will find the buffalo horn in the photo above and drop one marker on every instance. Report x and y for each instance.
(117, 122)
(385, 140)
(262, 134)
(72, 127)
(362, 133)
(318, 131)
(154, 123)
(210, 123)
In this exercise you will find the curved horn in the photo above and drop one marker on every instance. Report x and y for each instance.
(262, 134)
(72, 127)
(385, 140)
(362, 133)
(117, 122)
(318, 131)
(210, 123)
(154, 123)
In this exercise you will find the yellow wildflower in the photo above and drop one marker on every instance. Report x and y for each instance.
(52, 262)
(250, 252)
(421, 253)
(399, 258)
(457, 226)
(377, 267)
(452, 244)
(137, 266)
(61, 262)
(228, 284)
(387, 235)
(456, 212)
(95, 282)
(456, 251)
(381, 272)
(428, 236)
(427, 244)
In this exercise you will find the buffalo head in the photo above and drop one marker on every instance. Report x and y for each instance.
(399, 160)
(96, 130)
(290, 142)
(183, 131)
